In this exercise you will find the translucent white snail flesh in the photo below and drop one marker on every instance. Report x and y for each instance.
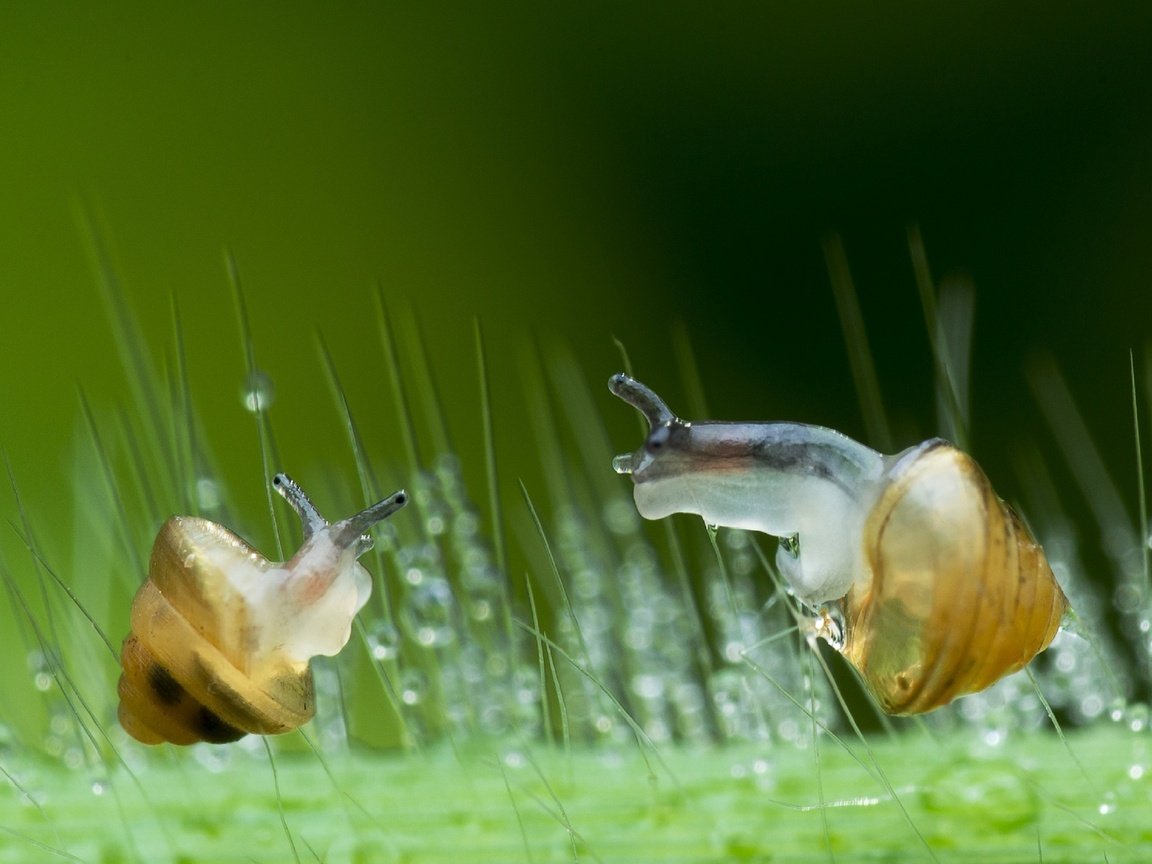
(943, 589)
(221, 637)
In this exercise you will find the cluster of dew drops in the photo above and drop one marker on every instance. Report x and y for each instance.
(629, 645)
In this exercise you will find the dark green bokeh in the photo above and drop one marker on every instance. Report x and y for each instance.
(569, 175)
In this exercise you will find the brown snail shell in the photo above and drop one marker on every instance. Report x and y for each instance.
(960, 593)
(221, 637)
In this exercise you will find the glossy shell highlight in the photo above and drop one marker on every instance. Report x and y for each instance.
(189, 669)
(959, 595)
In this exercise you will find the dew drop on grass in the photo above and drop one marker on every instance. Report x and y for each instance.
(1091, 706)
(258, 393)
(435, 636)
(648, 686)
(207, 494)
(465, 525)
(1116, 711)
(620, 517)
(383, 640)
(1137, 717)
(412, 687)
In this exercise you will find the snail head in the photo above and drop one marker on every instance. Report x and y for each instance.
(666, 432)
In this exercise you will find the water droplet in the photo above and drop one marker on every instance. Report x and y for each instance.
(98, 787)
(1091, 706)
(620, 516)
(412, 685)
(207, 493)
(648, 686)
(1116, 711)
(1135, 772)
(384, 640)
(258, 392)
(1126, 598)
(622, 464)
(465, 525)
(1137, 717)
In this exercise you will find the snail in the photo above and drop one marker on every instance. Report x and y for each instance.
(942, 588)
(221, 637)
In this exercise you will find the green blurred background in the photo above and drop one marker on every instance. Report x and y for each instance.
(569, 173)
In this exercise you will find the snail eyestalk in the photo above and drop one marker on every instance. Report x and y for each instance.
(310, 518)
(357, 526)
(641, 397)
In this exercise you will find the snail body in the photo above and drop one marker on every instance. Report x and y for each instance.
(943, 589)
(221, 637)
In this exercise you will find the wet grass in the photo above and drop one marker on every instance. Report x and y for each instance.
(541, 676)
(503, 801)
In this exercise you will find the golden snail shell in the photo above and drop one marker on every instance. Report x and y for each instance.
(221, 636)
(960, 593)
(943, 588)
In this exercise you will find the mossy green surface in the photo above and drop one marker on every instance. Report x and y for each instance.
(1023, 801)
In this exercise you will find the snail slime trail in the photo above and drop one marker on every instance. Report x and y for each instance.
(222, 637)
(941, 587)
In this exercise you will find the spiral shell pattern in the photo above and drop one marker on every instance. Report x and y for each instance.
(959, 593)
